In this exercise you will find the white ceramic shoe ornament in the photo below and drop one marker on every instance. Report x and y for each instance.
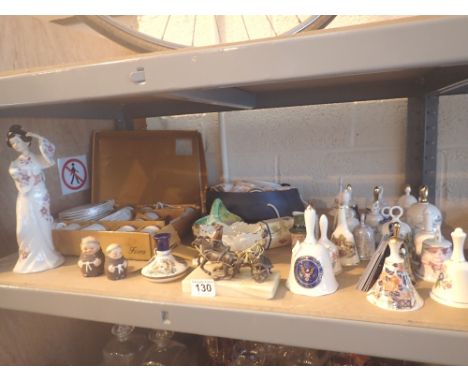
(311, 271)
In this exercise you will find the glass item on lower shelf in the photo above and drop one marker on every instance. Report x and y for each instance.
(305, 357)
(219, 350)
(164, 351)
(123, 349)
(246, 353)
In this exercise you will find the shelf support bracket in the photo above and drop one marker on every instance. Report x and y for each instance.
(421, 142)
(231, 98)
(123, 121)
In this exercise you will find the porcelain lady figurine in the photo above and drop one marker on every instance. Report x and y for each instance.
(91, 260)
(34, 222)
(393, 290)
(344, 240)
(116, 265)
(311, 271)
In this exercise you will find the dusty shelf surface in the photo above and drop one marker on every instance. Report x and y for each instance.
(343, 321)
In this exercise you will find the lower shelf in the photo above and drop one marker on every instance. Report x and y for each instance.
(343, 321)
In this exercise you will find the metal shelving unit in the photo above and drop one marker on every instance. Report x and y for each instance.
(418, 58)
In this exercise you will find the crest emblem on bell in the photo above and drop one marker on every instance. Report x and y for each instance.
(308, 271)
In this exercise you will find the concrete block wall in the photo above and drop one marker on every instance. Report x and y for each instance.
(452, 161)
(310, 147)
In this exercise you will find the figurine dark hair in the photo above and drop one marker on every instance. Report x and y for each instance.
(17, 130)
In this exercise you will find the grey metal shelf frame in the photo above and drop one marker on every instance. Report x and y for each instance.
(417, 58)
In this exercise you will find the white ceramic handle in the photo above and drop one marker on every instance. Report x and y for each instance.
(385, 212)
(309, 219)
(323, 226)
(396, 212)
(458, 238)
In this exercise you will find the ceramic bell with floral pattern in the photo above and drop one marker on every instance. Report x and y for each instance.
(435, 252)
(311, 271)
(451, 287)
(343, 238)
(394, 290)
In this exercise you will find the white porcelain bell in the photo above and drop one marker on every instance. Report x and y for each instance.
(451, 287)
(344, 240)
(374, 217)
(406, 200)
(351, 218)
(311, 271)
(426, 233)
(434, 252)
(394, 290)
(415, 214)
(331, 248)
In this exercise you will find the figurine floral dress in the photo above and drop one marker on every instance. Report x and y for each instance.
(34, 222)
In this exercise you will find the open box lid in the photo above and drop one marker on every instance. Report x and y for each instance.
(145, 167)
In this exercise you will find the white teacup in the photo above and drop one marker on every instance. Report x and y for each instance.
(72, 227)
(127, 228)
(151, 215)
(59, 225)
(94, 227)
(151, 229)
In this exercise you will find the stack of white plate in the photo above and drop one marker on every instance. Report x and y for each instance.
(87, 212)
(125, 213)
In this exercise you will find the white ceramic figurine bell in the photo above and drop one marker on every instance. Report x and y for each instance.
(406, 200)
(434, 252)
(330, 247)
(344, 240)
(393, 289)
(451, 288)
(311, 271)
